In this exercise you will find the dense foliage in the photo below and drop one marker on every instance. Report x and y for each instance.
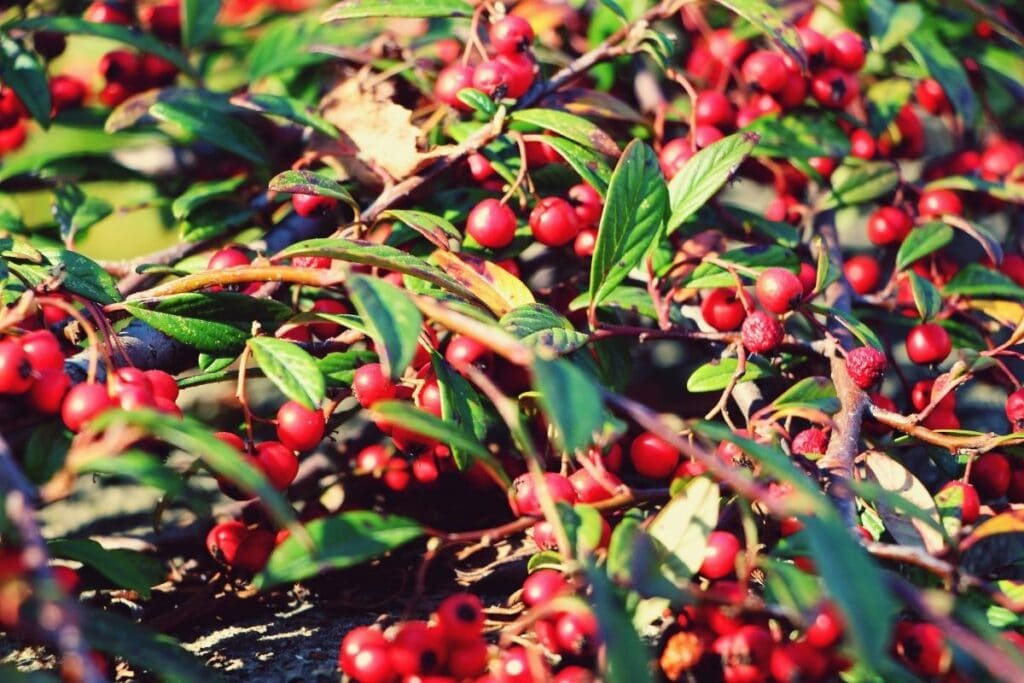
(707, 314)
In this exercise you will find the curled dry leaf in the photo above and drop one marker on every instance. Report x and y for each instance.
(897, 479)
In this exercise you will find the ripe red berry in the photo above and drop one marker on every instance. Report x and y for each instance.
(100, 12)
(227, 257)
(810, 441)
(928, 343)
(327, 330)
(826, 628)
(720, 555)
(521, 70)
(866, 366)
(553, 222)
(163, 20)
(278, 463)
(934, 203)
(942, 419)
(761, 333)
(745, 654)
(923, 648)
(847, 51)
(594, 486)
(48, 391)
(674, 155)
(1000, 159)
(370, 384)
(706, 135)
(889, 225)
(372, 665)
(834, 88)
(576, 632)
(862, 144)
(469, 659)
(817, 47)
(808, 278)
(794, 92)
(653, 457)
(778, 289)
(713, 108)
(970, 502)
(587, 204)
(583, 245)
(723, 310)
(417, 648)
(492, 224)
(931, 96)
(15, 368)
(863, 273)
(157, 72)
(524, 499)
(84, 402)
(542, 586)
(42, 350)
(310, 204)
(480, 168)
(990, 475)
(355, 641)
(765, 71)
(921, 396)
(164, 385)
(798, 661)
(1015, 410)
(223, 540)
(510, 35)
(461, 618)
(492, 77)
(463, 350)
(67, 92)
(298, 427)
(450, 81)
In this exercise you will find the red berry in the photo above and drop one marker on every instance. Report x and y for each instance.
(372, 459)
(492, 224)
(553, 222)
(889, 225)
(712, 108)
(923, 648)
(706, 135)
(135, 397)
(808, 278)
(370, 384)
(67, 92)
(990, 475)
(942, 419)
(48, 391)
(928, 343)
(278, 463)
(223, 540)
(970, 502)
(761, 333)
(114, 94)
(228, 257)
(157, 72)
(327, 330)
(480, 167)
(847, 51)
(450, 81)
(121, 67)
(921, 396)
(468, 351)
(1015, 410)
(862, 144)
(11, 108)
(461, 618)
(523, 497)
(15, 368)
(576, 632)
(653, 457)
(765, 71)
(511, 35)
(1013, 267)
(745, 654)
(429, 397)
(521, 69)
(298, 427)
(518, 666)
(723, 310)
(84, 402)
(164, 385)
(863, 273)
(468, 659)
(100, 12)
(163, 20)
(355, 641)
(372, 665)
(720, 555)
(866, 366)
(417, 648)
(1015, 493)
(778, 289)
(811, 441)
(310, 204)
(794, 92)
(594, 486)
(542, 586)
(931, 96)
(935, 203)
(826, 628)
(1000, 160)
(587, 203)
(674, 155)
(42, 350)
(493, 78)
(583, 245)
(834, 88)
(798, 661)
(817, 47)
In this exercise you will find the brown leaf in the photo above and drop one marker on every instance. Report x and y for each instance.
(895, 478)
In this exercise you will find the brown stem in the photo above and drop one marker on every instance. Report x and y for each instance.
(313, 277)
(953, 442)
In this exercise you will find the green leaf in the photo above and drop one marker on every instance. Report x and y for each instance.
(575, 128)
(583, 526)
(625, 658)
(623, 298)
(46, 450)
(715, 375)
(460, 406)
(901, 502)
(85, 277)
(757, 258)
(215, 218)
(359, 9)
(22, 71)
(926, 296)
(198, 20)
(146, 469)
(339, 367)
(979, 281)
(344, 540)
(856, 183)
(379, 256)
(790, 588)
(76, 212)
(771, 22)
(391, 318)
(307, 182)
(1010, 190)
(478, 101)
(161, 655)
(682, 527)
(290, 368)
(794, 135)
(929, 51)
(124, 568)
(426, 424)
(436, 229)
(286, 108)
(202, 193)
(704, 174)
(140, 40)
(922, 241)
(218, 323)
(892, 29)
(571, 400)
(591, 166)
(864, 334)
(634, 212)
(885, 99)
(217, 128)
(539, 325)
(811, 392)
(622, 548)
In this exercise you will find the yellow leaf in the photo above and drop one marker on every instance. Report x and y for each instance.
(495, 287)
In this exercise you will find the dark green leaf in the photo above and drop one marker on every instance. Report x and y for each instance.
(979, 281)
(217, 323)
(198, 20)
(860, 182)
(945, 67)
(215, 218)
(623, 545)
(46, 451)
(1010, 191)
(478, 101)
(392, 319)
(855, 325)
(634, 212)
(626, 658)
(344, 540)
(85, 277)
(217, 128)
(202, 193)
(76, 212)
(144, 42)
(438, 230)
(22, 71)
(142, 648)
(286, 108)
(461, 406)
(704, 174)
(575, 128)
(124, 568)
(771, 22)
(147, 469)
(926, 296)
(539, 325)
(307, 182)
(895, 26)
(715, 375)
(901, 503)
(757, 257)
(885, 99)
(785, 585)
(290, 368)
(811, 392)
(922, 241)
(800, 136)
(571, 400)
(591, 166)
(358, 9)
(421, 422)
(755, 225)
(340, 366)
(623, 298)
(682, 527)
